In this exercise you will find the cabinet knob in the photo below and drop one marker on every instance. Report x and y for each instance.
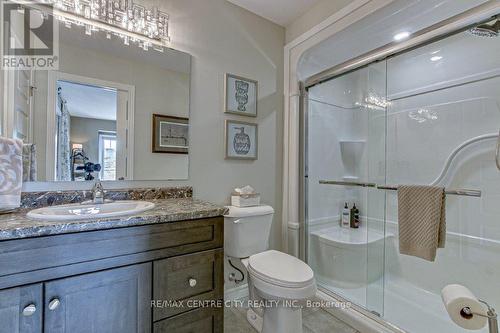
(54, 304)
(192, 282)
(29, 310)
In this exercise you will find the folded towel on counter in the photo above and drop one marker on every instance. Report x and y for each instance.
(421, 220)
(11, 173)
(29, 162)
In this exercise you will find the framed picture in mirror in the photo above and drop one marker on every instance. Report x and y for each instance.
(241, 140)
(170, 134)
(240, 96)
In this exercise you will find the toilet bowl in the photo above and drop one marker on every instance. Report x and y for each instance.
(279, 284)
(282, 283)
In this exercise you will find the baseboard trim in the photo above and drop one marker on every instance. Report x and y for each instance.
(236, 293)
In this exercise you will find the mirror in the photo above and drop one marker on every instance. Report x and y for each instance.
(111, 111)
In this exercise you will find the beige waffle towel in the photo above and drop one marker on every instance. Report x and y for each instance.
(421, 219)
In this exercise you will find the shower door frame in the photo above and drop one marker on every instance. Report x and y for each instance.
(441, 30)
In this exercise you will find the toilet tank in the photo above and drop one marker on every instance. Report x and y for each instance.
(247, 230)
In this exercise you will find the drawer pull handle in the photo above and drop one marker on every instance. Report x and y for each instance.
(192, 282)
(54, 304)
(29, 310)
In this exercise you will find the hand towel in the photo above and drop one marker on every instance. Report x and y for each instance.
(11, 173)
(29, 162)
(421, 220)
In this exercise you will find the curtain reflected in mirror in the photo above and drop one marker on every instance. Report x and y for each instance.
(86, 121)
(63, 123)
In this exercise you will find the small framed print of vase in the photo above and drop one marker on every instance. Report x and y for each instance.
(241, 140)
(170, 134)
(241, 96)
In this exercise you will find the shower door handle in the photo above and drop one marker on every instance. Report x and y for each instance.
(497, 154)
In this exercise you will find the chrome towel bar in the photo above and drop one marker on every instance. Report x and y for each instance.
(344, 183)
(463, 192)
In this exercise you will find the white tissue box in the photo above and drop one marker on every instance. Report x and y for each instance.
(245, 200)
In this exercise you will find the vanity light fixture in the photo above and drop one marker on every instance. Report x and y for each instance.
(401, 35)
(123, 18)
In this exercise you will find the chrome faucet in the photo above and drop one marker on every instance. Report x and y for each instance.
(97, 193)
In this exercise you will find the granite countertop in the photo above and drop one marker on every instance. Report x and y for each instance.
(16, 225)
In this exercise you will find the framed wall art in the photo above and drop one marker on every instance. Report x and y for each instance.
(241, 140)
(240, 96)
(170, 134)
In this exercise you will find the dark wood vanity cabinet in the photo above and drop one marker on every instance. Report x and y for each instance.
(135, 279)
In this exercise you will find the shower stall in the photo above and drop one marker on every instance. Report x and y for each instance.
(428, 114)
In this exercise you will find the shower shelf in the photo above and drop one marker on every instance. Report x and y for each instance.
(462, 192)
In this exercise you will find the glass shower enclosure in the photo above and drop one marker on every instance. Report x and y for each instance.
(430, 115)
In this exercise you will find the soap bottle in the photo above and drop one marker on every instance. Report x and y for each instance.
(346, 216)
(355, 218)
(352, 212)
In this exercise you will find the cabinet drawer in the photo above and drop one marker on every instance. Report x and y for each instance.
(203, 320)
(187, 278)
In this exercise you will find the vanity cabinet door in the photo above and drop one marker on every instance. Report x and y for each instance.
(112, 301)
(21, 309)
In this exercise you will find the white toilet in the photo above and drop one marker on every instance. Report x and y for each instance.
(274, 278)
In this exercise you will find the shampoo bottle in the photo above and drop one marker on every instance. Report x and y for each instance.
(346, 216)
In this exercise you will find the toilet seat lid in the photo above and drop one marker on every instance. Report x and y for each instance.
(280, 269)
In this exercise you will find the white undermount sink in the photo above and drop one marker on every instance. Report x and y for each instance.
(90, 211)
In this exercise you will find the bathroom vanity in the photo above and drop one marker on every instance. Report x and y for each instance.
(140, 273)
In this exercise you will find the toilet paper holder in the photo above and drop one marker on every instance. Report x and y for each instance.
(490, 314)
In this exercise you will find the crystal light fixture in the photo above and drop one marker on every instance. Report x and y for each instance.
(123, 18)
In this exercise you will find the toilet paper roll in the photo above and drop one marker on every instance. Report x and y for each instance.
(456, 298)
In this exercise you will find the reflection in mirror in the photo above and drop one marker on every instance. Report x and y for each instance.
(86, 122)
(93, 117)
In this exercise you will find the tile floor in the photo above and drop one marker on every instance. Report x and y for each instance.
(314, 321)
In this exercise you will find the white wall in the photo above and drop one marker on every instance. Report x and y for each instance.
(315, 15)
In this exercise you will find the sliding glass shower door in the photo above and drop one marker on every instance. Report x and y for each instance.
(345, 141)
(428, 116)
